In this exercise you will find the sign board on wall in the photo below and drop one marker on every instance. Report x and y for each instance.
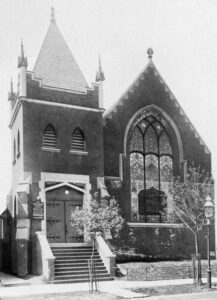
(38, 210)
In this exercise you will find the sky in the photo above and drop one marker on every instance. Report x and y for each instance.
(183, 35)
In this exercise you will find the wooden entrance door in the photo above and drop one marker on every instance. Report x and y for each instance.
(58, 217)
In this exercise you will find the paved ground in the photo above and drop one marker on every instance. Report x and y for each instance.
(203, 296)
(13, 287)
(68, 296)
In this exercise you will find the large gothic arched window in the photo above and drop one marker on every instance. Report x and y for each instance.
(151, 168)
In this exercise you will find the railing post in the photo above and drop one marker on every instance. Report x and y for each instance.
(91, 264)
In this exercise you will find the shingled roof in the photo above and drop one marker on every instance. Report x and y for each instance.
(56, 67)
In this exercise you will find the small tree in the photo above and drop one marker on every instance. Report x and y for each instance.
(98, 215)
(188, 198)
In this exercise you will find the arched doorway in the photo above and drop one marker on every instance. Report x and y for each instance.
(61, 201)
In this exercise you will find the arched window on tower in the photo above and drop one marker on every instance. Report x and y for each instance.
(78, 140)
(18, 144)
(14, 152)
(49, 137)
(151, 169)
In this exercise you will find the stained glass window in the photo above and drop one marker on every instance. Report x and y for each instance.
(151, 167)
(151, 144)
(166, 168)
(165, 147)
(142, 125)
(157, 127)
(152, 173)
(136, 166)
(137, 141)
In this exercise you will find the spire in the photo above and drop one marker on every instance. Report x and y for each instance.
(100, 74)
(22, 60)
(53, 20)
(11, 94)
(55, 66)
(150, 53)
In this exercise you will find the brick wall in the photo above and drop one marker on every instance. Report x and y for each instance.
(64, 120)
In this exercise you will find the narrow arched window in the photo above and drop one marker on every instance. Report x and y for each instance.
(14, 153)
(49, 137)
(78, 141)
(18, 144)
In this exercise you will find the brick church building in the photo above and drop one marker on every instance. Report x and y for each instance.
(65, 147)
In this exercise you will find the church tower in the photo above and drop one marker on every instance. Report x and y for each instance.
(56, 128)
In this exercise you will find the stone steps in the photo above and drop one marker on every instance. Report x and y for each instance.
(71, 264)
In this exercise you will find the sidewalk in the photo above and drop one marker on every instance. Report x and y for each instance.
(12, 286)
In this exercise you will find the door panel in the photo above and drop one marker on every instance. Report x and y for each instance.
(55, 221)
(72, 234)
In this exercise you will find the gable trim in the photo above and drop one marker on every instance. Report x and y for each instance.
(72, 186)
(119, 102)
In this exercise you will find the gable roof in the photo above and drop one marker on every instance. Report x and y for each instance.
(55, 66)
(150, 66)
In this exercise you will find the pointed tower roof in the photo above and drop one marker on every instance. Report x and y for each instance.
(56, 67)
(11, 94)
(100, 74)
(22, 60)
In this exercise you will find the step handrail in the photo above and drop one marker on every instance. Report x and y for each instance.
(45, 257)
(108, 258)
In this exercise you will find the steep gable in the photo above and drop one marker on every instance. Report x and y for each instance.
(144, 77)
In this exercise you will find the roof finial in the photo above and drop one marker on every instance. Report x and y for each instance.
(150, 53)
(100, 74)
(22, 60)
(53, 20)
(22, 51)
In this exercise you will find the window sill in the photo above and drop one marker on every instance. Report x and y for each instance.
(78, 152)
(154, 225)
(47, 149)
(18, 154)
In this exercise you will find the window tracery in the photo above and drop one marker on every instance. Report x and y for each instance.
(151, 166)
